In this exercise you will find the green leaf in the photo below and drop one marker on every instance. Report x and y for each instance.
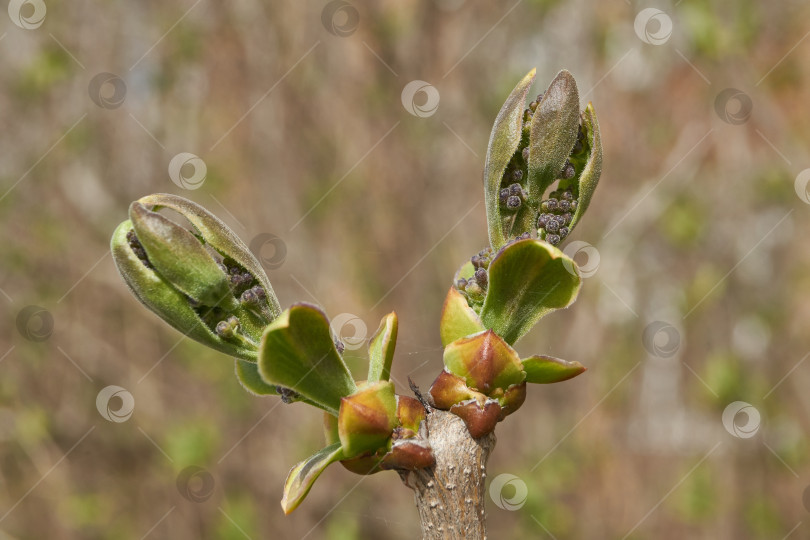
(165, 301)
(381, 349)
(219, 236)
(553, 133)
(458, 318)
(527, 280)
(547, 369)
(367, 418)
(181, 259)
(503, 142)
(589, 177)
(485, 361)
(297, 352)
(248, 375)
(302, 476)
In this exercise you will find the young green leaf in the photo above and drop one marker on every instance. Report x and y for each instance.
(248, 375)
(547, 369)
(180, 258)
(527, 280)
(302, 476)
(381, 349)
(219, 236)
(503, 141)
(589, 177)
(458, 318)
(297, 352)
(553, 133)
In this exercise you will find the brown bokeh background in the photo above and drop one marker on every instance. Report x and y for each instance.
(698, 223)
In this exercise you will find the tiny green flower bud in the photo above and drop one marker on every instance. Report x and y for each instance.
(474, 291)
(227, 328)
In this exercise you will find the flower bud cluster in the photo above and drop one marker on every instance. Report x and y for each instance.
(556, 214)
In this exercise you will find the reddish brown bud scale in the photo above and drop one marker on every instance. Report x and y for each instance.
(408, 454)
(449, 389)
(480, 420)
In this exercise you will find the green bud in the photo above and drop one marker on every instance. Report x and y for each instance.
(550, 141)
(367, 418)
(410, 413)
(485, 361)
(449, 389)
(512, 399)
(193, 278)
(166, 301)
(214, 233)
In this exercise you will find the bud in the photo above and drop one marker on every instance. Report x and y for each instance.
(367, 418)
(480, 419)
(449, 389)
(533, 148)
(409, 455)
(170, 304)
(483, 381)
(410, 413)
(485, 361)
(512, 399)
(204, 282)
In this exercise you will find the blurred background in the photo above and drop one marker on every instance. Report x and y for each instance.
(291, 122)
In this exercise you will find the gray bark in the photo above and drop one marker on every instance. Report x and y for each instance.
(450, 496)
